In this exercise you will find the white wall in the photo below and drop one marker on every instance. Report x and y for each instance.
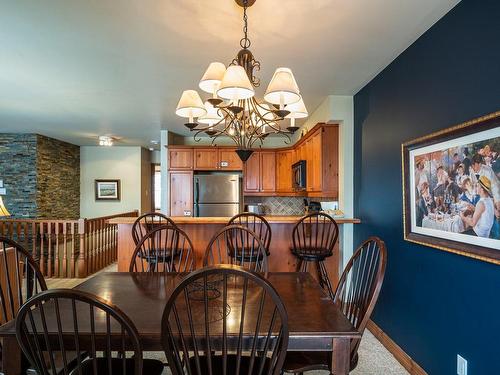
(123, 163)
(340, 110)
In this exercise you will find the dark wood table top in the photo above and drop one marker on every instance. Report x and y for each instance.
(313, 318)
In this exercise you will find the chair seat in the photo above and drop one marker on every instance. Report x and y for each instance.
(163, 257)
(312, 253)
(149, 366)
(217, 365)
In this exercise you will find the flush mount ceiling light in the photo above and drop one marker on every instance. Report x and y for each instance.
(104, 140)
(233, 110)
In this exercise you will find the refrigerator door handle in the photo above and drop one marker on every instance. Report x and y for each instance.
(196, 197)
(196, 190)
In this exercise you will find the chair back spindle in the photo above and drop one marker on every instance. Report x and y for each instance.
(238, 245)
(166, 248)
(257, 224)
(208, 326)
(147, 222)
(359, 286)
(20, 278)
(56, 343)
(315, 235)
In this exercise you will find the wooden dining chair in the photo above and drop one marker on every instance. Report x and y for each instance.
(164, 249)
(236, 244)
(356, 294)
(313, 240)
(145, 224)
(256, 223)
(63, 331)
(225, 320)
(20, 278)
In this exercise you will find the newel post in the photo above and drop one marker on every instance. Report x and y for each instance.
(81, 265)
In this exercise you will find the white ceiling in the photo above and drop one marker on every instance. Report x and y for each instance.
(77, 69)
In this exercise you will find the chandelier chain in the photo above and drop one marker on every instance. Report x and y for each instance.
(245, 42)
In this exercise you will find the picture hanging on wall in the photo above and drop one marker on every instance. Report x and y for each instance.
(107, 190)
(451, 189)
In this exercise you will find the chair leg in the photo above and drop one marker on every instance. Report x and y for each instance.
(298, 268)
(320, 275)
(326, 279)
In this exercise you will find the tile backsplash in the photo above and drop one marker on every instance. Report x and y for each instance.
(279, 205)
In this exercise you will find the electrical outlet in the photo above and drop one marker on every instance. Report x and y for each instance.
(461, 365)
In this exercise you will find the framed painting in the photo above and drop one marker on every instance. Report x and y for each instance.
(451, 189)
(107, 190)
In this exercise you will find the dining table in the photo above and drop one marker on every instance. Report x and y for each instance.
(315, 323)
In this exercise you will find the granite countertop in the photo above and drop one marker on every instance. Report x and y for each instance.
(224, 220)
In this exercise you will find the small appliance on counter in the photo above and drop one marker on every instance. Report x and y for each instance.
(332, 209)
(299, 175)
(217, 195)
(255, 208)
(311, 206)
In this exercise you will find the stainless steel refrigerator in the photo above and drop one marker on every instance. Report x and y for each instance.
(217, 195)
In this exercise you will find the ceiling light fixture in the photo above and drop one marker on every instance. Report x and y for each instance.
(233, 111)
(105, 140)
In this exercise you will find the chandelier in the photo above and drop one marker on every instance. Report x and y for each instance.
(233, 110)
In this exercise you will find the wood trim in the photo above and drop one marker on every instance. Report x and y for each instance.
(406, 361)
(300, 141)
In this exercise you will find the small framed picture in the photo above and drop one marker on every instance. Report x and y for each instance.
(107, 190)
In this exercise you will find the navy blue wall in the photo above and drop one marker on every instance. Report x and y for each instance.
(434, 304)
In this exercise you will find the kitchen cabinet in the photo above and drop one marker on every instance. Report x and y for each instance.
(180, 158)
(284, 161)
(206, 159)
(229, 160)
(260, 173)
(252, 174)
(181, 193)
(323, 162)
(268, 171)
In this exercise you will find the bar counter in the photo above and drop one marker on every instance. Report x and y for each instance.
(201, 229)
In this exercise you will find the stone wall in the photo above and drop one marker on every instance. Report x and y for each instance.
(18, 171)
(58, 185)
(41, 176)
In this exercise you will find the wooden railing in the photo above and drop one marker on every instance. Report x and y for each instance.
(67, 248)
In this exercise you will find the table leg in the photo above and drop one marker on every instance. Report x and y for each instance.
(341, 356)
(11, 356)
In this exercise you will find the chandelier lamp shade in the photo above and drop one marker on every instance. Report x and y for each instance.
(3, 209)
(233, 110)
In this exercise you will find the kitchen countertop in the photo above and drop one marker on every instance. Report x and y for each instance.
(224, 220)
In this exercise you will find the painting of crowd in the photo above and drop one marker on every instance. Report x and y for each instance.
(458, 190)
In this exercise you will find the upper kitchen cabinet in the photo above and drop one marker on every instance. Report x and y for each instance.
(206, 159)
(284, 161)
(260, 173)
(229, 160)
(180, 158)
(323, 162)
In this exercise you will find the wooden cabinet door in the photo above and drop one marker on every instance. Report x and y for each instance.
(284, 161)
(252, 173)
(181, 193)
(205, 159)
(316, 158)
(308, 157)
(232, 159)
(180, 158)
(268, 171)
